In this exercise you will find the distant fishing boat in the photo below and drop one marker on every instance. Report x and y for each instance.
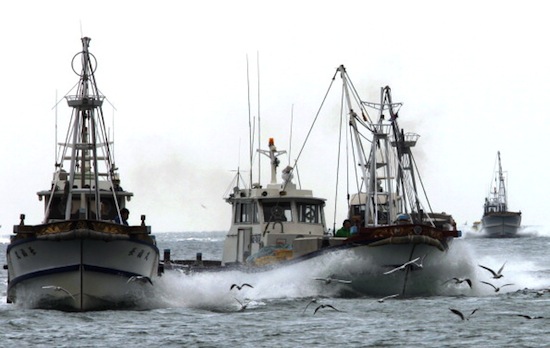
(79, 258)
(497, 220)
(400, 245)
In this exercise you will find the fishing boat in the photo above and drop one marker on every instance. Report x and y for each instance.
(400, 246)
(83, 256)
(497, 221)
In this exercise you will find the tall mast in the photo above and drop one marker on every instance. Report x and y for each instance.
(501, 187)
(86, 104)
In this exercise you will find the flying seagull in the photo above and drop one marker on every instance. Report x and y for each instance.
(403, 266)
(529, 317)
(142, 279)
(243, 305)
(460, 280)
(58, 288)
(421, 263)
(330, 280)
(240, 287)
(459, 313)
(387, 297)
(323, 306)
(310, 302)
(496, 275)
(497, 289)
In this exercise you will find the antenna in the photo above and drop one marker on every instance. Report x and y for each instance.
(55, 144)
(250, 144)
(290, 140)
(259, 138)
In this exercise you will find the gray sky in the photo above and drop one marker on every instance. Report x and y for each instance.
(473, 76)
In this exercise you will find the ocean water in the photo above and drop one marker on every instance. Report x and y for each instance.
(201, 310)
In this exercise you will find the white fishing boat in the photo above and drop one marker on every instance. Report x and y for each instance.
(497, 221)
(400, 246)
(79, 258)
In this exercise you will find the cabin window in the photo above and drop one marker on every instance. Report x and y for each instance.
(279, 211)
(308, 213)
(246, 213)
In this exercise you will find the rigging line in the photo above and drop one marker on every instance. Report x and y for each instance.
(313, 124)
(355, 165)
(339, 151)
(316, 117)
(421, 183)
(107, 99)
(64, 96)
(357, 99)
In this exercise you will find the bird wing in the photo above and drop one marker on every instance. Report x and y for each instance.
(468, 281)
(475, 310)
(344, 281)
(501, 268)
(524, 316)
(310, 302)
(494, 287)
(232, 286)
(457, 312)
(411, 261)
(490, 270)
(316, 309)
(329, 306)
(506, 285)
(395, 269)
(387, 297)
(246, 284)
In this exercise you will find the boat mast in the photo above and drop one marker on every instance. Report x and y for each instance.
(502, 202)
(368, 173)
(403, 144)
(85, 104)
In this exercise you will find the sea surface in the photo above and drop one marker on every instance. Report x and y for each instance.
(201, 310)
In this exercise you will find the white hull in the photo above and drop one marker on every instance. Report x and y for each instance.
(364, 266)
(80, 274)
(501, 225)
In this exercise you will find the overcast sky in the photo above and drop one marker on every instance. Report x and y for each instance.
(474, 78)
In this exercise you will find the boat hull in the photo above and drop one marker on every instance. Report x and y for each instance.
(364, 265)
(501, 225)
(81, 273)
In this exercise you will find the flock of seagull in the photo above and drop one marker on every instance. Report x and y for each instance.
(418, 264)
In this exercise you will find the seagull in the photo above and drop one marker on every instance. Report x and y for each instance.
(421, 263)
(323, 306)
(494, 287)
(387, 297)
(496, 275)
(403, 266)
(541, 292)
(240, 287)
(243, 306)
(460, 280)
(58, 288)
(330, 280)
(142, 279)
(459, 313)
(310, 302)
(529, 317)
